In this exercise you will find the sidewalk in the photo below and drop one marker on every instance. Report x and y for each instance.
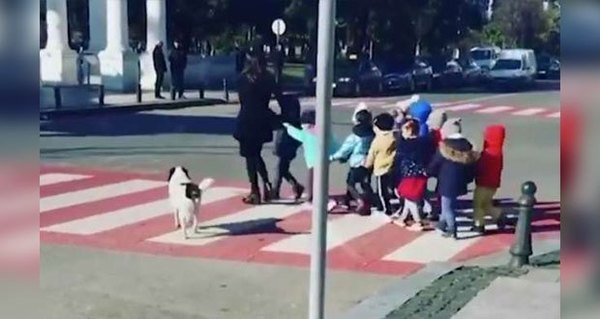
(128, 101)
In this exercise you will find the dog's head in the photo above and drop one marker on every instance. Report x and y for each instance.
(178, 173)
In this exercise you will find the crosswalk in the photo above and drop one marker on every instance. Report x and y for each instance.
(470, 107)
(130, 212)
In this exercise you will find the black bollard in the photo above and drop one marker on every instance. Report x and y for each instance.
(225, 90)
(521, 250)
(201, 91)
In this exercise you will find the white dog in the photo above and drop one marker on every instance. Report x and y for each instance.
(185, 198)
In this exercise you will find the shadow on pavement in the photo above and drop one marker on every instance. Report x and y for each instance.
(252, 227)
(137, 124)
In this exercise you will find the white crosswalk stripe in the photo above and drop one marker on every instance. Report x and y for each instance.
(96, 193)
(55, 178)
(216, 229)
(462, 107)
(430, 247)
(495, 109)
(339, 231)
(528, 112)
(134, 214)
(555, 115)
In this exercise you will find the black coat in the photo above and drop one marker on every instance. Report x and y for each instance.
(454, 166)
(178, 60)
(158, 57)
(255, 120)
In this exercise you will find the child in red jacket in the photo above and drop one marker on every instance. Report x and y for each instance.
(488, 177)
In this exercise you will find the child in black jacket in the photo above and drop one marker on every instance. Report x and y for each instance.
(286, 147)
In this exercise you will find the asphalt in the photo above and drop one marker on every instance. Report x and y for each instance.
(87, 283)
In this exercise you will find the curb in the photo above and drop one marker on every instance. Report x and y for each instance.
(133, 107)
(385, 301)
(388, 299)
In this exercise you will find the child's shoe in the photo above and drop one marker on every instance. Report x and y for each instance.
(415, 227)
(363, 208)
(479, 229)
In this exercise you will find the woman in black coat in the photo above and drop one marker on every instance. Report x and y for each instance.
(255, 123)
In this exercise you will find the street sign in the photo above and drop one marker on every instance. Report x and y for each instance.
(278, 27)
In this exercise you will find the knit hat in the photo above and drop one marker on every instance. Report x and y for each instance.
(451, 127)
(436, 119)
(384, 122)
(308, 117)
(362, 106)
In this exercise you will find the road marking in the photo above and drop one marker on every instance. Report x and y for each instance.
(430, 247)
(478, 99)
(555, 115)
(134, 214)
(495, 109)
(238, 223)
(339, 231)
(530, 111)
(96, 193)
(462, 107)
(55, 178)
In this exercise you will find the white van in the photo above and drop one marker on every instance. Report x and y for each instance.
(514, 67)
(485, 57)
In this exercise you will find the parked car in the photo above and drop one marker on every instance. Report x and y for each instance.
(352, 77)
(447, 73)
(515, 68)
(473, 74)
(485, 57)
(407, 76)
(548, 67)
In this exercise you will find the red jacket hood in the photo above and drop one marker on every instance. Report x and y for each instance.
(493, 138)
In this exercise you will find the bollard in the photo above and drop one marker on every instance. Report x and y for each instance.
(521, 250)
(201, 91)
(225, 90)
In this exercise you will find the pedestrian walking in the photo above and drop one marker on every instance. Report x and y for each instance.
(254, 125)
(411, 161)
(381, 161)
(354, 151)
(160, 67)
(488, 178)
(454, 166)
(178, 63)
(286, 146)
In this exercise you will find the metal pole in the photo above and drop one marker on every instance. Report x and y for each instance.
(321, 182)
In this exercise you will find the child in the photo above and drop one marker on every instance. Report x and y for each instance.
(487, 179)
(354, 150)
(286, 147)
(308, 137)
(380, 159)
(451, 127)
(411, 160)
(454, 166)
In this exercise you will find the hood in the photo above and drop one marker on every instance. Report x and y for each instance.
(458, 150)
(363, 130)
(493, 137)
(362, 106)
(405, 104)
(437, 118)
(420, 111)
(451, 126)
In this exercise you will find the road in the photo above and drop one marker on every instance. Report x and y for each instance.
(109, 250)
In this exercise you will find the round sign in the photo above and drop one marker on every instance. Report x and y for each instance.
(278, 27)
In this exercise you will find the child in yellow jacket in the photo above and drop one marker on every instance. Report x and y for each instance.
(380, 160)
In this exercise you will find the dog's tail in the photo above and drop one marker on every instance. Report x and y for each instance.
(206, 183)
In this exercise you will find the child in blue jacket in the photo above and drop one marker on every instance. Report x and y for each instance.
(354, 151)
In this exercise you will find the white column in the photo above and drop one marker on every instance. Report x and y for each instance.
(118, 63)
(58, 63)
(156, 30)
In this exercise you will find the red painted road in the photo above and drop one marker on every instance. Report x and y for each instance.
(133, 218)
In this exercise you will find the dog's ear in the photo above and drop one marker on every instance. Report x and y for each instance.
(186, 172)
(171, 172)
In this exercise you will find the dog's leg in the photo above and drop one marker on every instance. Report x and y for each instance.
(195, 223)
(176, 218)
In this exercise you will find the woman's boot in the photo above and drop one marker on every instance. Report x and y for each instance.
(253, 198)
(267, 192)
